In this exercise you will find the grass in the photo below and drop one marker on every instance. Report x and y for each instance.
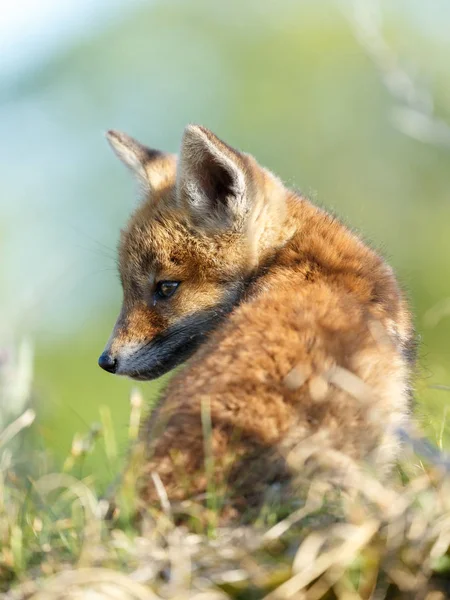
(360, 540)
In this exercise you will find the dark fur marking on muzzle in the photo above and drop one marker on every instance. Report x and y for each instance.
(177, 343)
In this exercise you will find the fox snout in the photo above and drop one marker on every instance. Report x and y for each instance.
(144, 352)
(134, 347)
(142, 360)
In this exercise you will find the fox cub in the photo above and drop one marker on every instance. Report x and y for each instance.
(294, 330)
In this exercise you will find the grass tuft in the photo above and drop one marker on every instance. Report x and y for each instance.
(359, 540)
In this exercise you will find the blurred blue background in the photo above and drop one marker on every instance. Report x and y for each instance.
(349, 102)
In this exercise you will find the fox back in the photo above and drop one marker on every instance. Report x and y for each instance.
(294, 331)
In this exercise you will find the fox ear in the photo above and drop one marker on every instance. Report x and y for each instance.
(152, 168)
(212, 180)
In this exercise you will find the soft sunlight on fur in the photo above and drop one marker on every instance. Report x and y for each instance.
(285, 317)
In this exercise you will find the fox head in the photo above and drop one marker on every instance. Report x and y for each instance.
(208, 221)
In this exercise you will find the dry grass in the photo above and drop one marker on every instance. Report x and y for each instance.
(359, 540)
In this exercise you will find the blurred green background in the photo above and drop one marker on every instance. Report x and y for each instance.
(313, 94)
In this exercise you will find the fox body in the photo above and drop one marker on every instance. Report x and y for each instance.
(292, 327)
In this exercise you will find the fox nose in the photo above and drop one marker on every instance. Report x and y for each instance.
(107, 363)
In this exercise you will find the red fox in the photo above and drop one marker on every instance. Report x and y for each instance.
(292, 327)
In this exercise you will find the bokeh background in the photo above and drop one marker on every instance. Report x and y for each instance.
(347, 101)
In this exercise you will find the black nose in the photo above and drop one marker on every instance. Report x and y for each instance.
(107, 363)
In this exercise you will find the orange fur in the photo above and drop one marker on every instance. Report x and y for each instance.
(318, 338)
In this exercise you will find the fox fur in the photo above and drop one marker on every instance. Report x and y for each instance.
(292, 327)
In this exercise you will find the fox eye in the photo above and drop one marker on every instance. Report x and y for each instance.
(166, 289)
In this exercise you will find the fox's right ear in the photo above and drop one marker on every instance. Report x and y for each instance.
(152, 168)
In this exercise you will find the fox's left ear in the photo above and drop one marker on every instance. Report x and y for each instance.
(152, 168)
(212, 181)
